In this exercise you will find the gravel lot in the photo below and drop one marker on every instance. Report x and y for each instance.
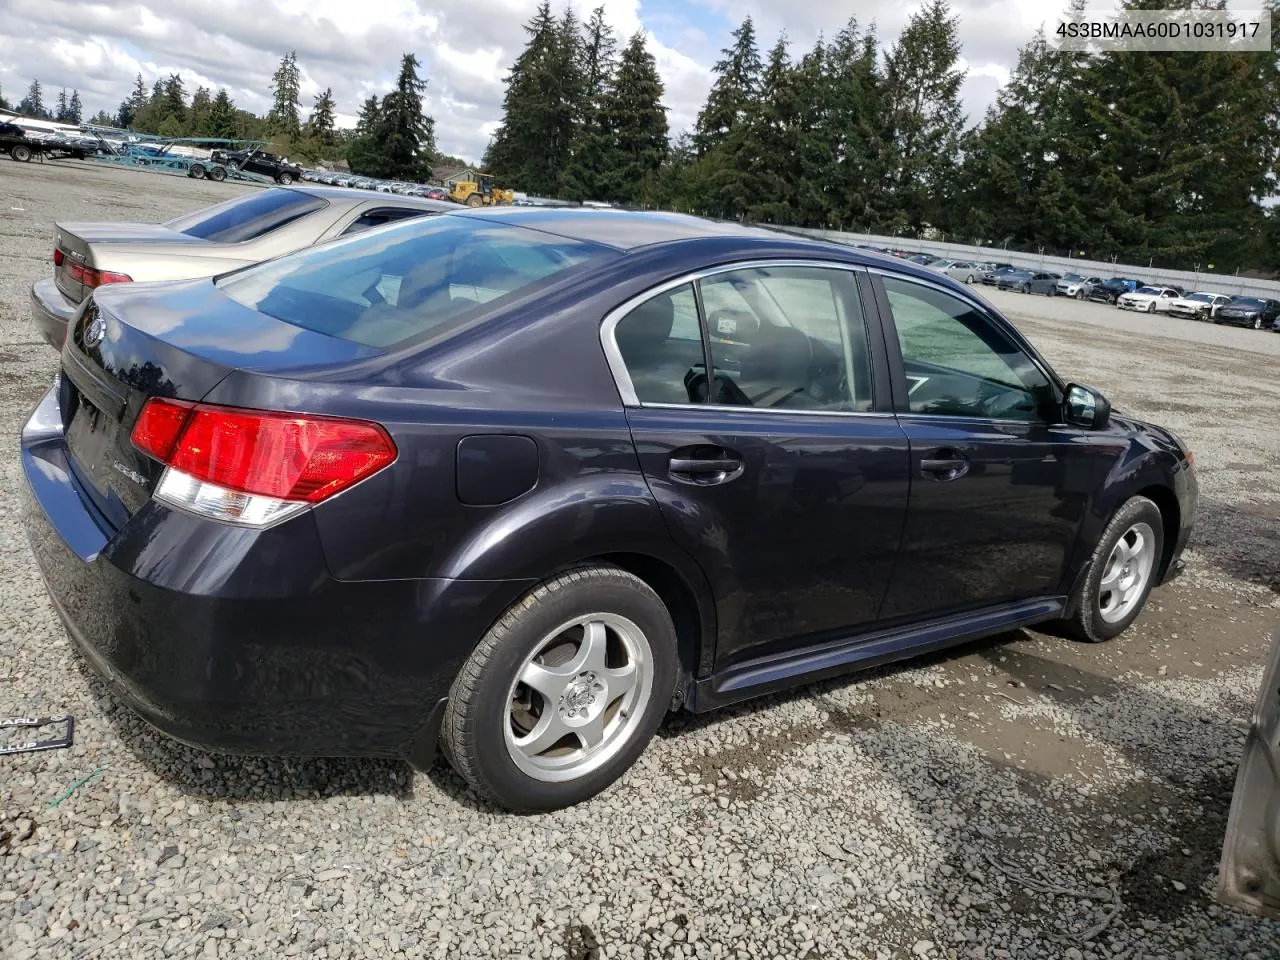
(1024, 796)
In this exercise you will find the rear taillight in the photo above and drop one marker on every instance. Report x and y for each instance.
(57, 257)
(93, 278)
(255, 467)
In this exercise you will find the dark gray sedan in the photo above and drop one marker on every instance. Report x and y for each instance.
(1030, 281)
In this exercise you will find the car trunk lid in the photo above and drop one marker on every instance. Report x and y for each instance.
(74, 244)
(175, 340)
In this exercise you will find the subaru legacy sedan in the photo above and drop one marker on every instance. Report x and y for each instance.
(521, 481)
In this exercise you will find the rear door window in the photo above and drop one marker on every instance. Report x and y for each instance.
(247, 217)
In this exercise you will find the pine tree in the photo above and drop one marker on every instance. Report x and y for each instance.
(75, 109)
(221, 120)
(363, 155)
(636, 121)
(585, 174)
(531, 148)
(775, 136)
(198, 116)
(405, 135)
(285, 91)
(925, 122)
(32, 105)
(736, 87)
(132, 104)
(103, 119)
(320, 125)
(60, 112)
(4, 104)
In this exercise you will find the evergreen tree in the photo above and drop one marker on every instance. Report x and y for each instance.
(320, 125)
(221, 119)
(1022, 172)
(636, 121)
(32, 105)
(103, 119)
(585, 175)
(362, 152)
(198, 116)
(774, 131)
(285, 91)
(405, 135)
(60, 112)
(131, 105)
(736, 86)
(922, 90)
(75, 109)
(531, 148)
(4, 104)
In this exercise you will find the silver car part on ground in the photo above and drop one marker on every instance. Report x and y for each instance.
(1249, 876)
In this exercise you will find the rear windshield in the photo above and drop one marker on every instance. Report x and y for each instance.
(1247, 302)
(396, 283)
(247, 217)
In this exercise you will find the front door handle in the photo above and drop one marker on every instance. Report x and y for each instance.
(705, 471)
(944, 465)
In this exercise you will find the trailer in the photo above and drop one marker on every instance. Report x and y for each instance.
(203, 158)
(19, 144)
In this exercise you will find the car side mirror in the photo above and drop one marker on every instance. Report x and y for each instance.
(1085, 407)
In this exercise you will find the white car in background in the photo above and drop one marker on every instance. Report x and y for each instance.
(1148, 299)
(966, 271)
(1198, 306)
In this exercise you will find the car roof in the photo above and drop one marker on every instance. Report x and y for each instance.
(351, 195)
(628, 230)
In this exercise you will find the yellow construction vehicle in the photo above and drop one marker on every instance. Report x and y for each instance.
(480, 192)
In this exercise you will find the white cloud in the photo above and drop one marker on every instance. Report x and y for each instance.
(465, 46)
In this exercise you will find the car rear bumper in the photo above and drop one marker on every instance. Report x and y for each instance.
(51, 311)
(1236, 321)
(238, 640)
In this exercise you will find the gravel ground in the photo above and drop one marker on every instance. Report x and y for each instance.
(1021, 797)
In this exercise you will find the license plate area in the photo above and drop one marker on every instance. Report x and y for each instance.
(91, 441)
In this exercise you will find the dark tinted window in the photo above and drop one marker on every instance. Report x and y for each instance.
(247, 217)
(960, 363)
(661, 345)
(377, 218)
(1247, 302)
(392, 285)
(788, 338)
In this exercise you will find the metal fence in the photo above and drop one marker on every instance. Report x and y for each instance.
(1187, 279)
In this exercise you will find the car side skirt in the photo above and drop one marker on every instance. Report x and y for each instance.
(752, 678)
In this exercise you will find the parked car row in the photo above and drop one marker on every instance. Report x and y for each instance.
(398, 187)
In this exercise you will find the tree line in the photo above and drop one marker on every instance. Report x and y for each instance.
(1162, 157)
(395, 137)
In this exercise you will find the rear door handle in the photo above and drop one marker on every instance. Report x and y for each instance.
(946, 465)
(705, 470)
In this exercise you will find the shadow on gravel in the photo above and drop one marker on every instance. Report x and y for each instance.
(1242, 539)
(235, 778)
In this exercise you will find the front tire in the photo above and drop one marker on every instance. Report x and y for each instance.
(196, 171)
(217, 173)
(20, 152)
(1151, 308)
(1024, 289)
(1257, 323)
(284, 179)
(1122, 572)
(564, 692)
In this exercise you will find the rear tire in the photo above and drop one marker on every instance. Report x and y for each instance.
(284, 179)
(474, 200)
(217, 173)
(1120, 579)
(600, 647)
(197, 171)
(20, 152)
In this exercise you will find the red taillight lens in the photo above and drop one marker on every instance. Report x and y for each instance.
(93, 278)
(57, 257)
(285, 456)
(158, 427)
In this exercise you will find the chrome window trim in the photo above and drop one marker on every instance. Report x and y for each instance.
(618, 367)
(1020, 341)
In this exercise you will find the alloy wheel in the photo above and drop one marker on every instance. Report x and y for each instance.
(579, 697)
(1126, 573)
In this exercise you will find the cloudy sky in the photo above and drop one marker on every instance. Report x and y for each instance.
(354, 46)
